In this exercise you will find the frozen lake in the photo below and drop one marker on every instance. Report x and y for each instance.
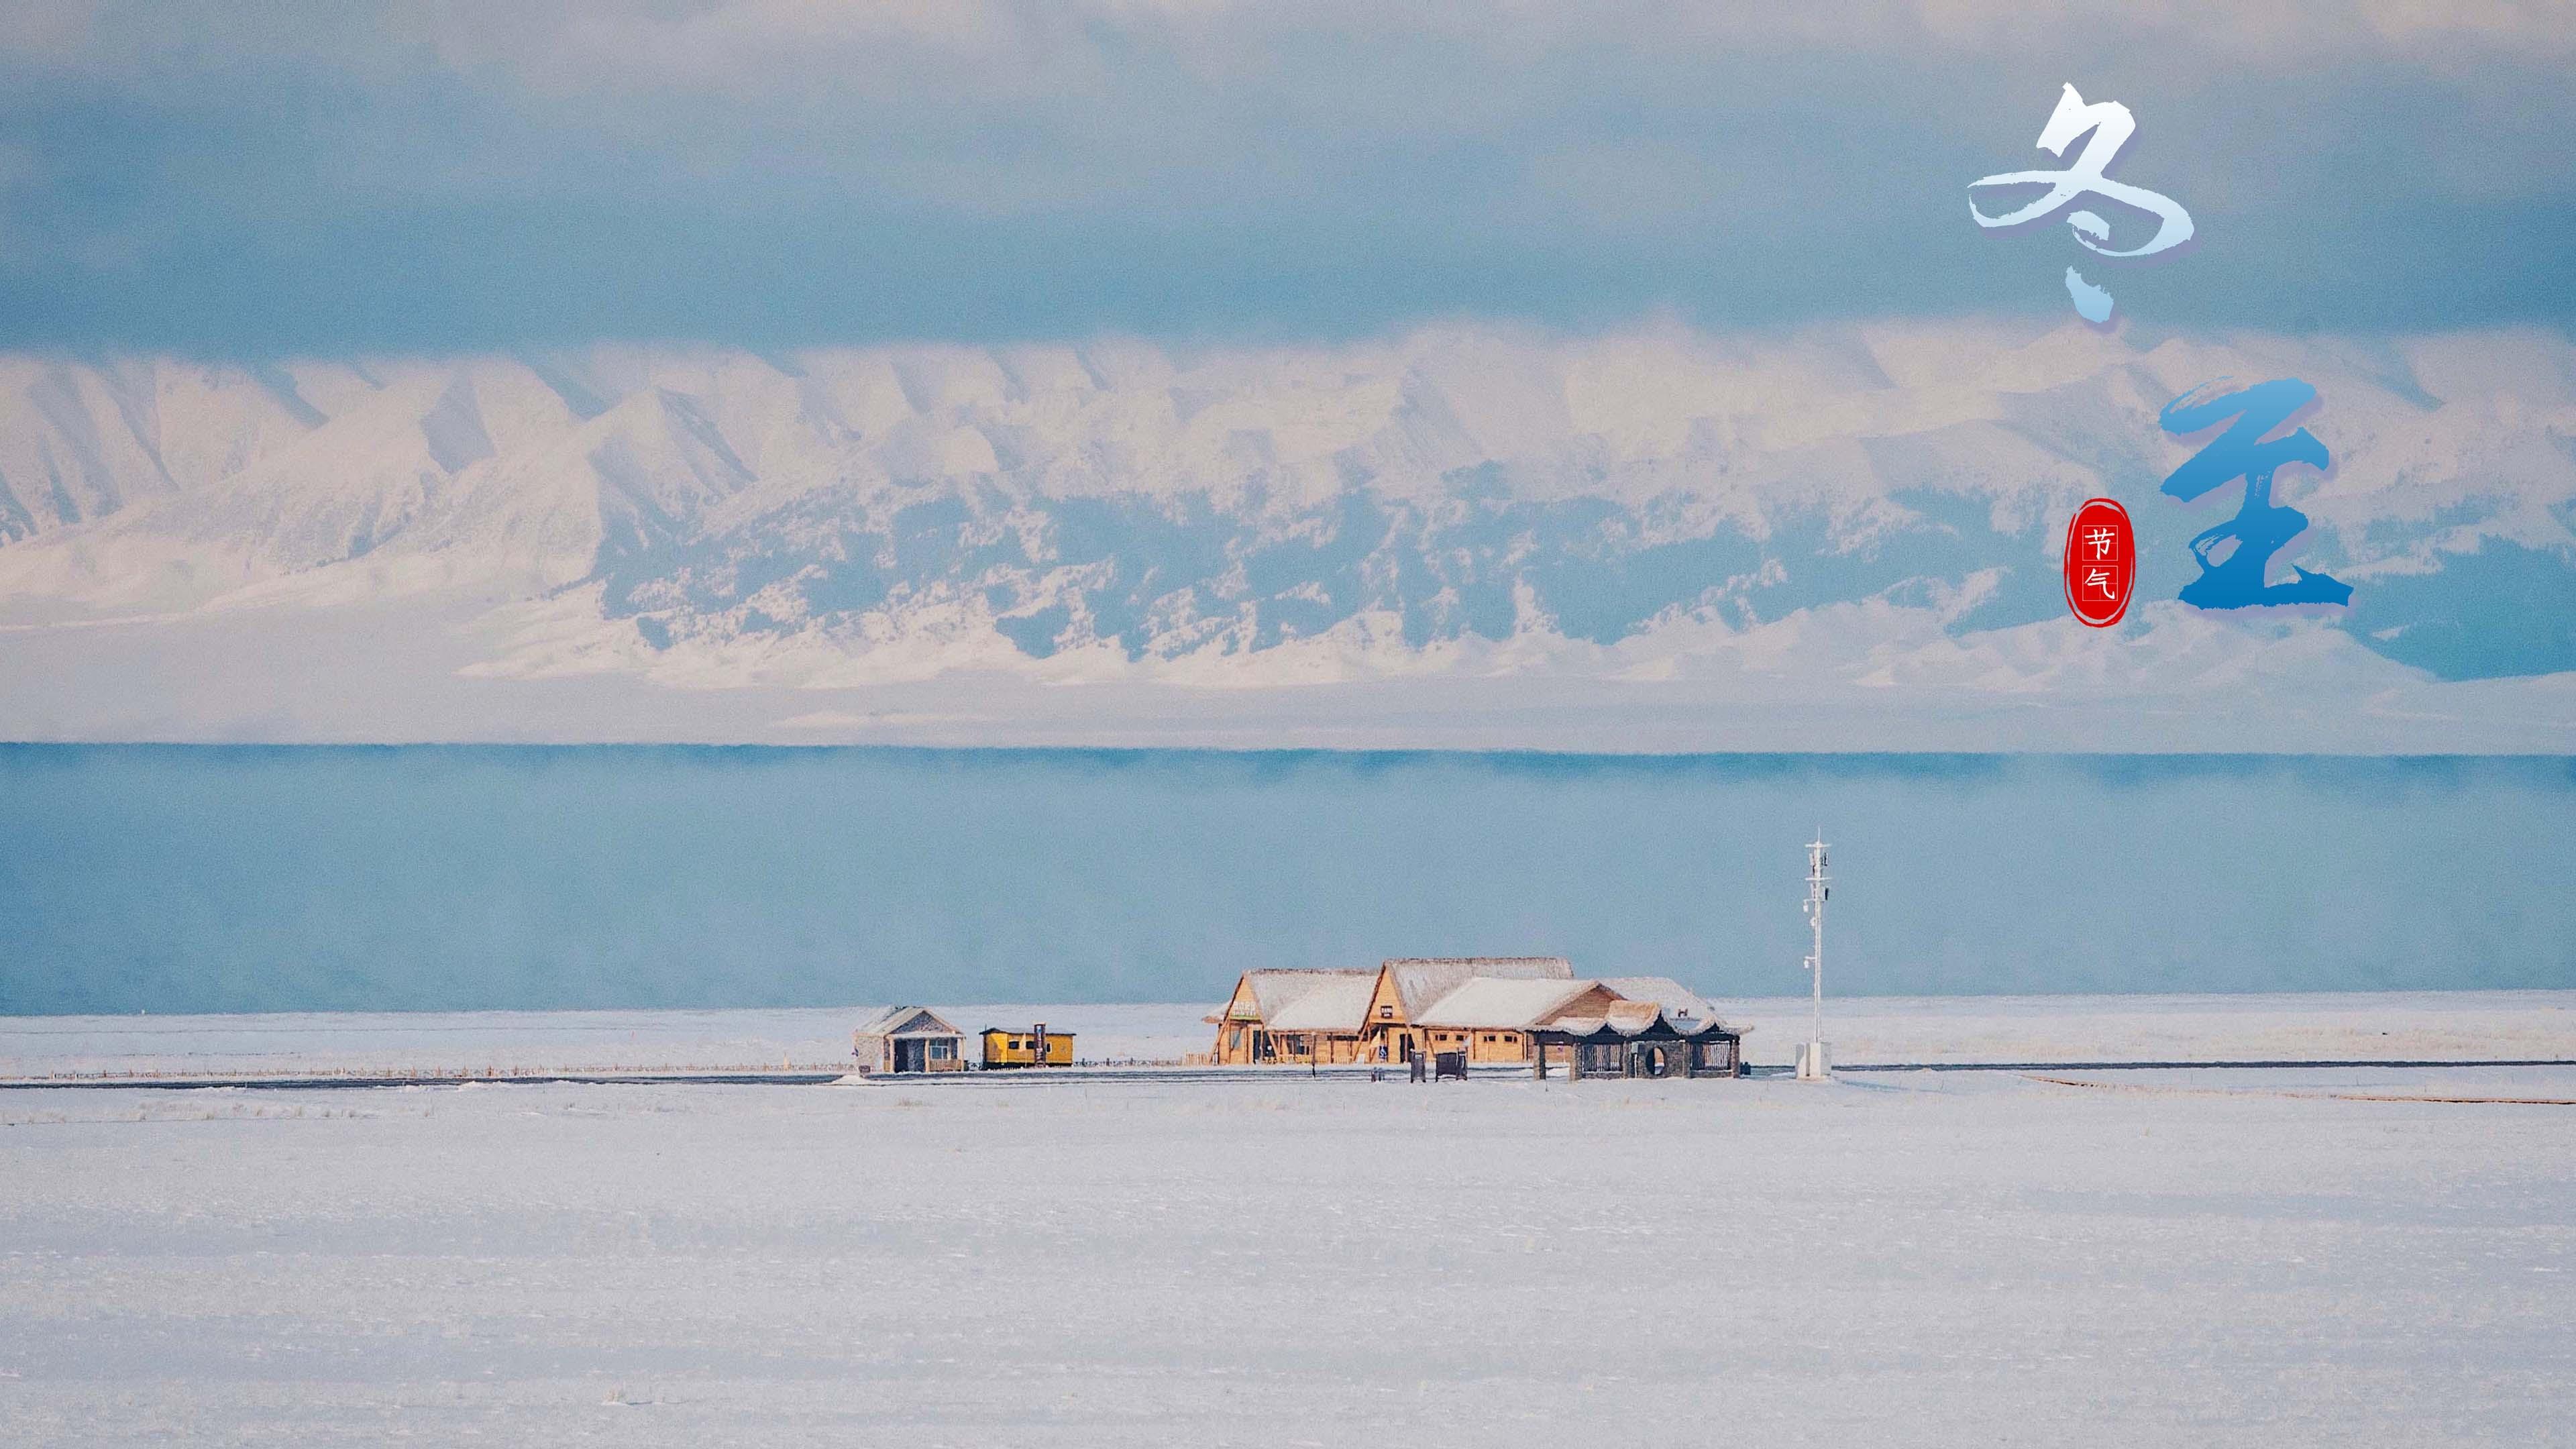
(170, 879)
(2214, 1256)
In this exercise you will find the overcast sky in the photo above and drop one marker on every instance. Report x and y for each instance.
(337, 177)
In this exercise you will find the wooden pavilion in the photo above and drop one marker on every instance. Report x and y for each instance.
(1639, 1039)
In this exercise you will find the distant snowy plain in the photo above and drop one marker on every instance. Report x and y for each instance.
(2214, 1256)
(2322, 1026)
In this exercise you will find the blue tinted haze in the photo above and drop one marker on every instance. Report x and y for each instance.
(236, 879)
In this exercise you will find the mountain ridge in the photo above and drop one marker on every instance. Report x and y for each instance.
(1640, 505)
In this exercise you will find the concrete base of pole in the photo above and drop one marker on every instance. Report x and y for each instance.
(1815, 1062)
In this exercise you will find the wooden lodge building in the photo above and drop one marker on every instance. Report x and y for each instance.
(1518, 1009)
(1293, 1016)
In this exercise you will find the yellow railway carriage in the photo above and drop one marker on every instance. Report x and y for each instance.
(1035, 1047)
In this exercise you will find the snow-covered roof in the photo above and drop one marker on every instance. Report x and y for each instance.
(1422, 980)
(1636, 1018)
(1339, 1004)
(1631, 1017)
(1674, 997)
(1502, 1003)
(907, 1021)
(1275, 991)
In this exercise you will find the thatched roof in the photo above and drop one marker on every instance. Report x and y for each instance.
(1675, 998)
(1276, 991)
(1502, 1003)
(1338, 1004)
(1423, 980)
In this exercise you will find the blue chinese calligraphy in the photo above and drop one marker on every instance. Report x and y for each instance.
(2110, 126)
(2233, 578)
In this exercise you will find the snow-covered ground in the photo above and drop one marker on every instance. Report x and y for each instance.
(2415, 1026)
(286, 1044)
(1931, 1258)
(2354, 1026)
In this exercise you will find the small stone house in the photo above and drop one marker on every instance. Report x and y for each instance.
(906, 1039)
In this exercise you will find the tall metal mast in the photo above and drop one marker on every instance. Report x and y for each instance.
(1812, 1059)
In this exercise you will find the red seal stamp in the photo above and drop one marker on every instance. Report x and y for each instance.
(2101, 563)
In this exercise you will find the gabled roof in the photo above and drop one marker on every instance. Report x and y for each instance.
(907, 1021)
(1422, 980)
(1502, 1003)
(1340, 1004)
(1674, 997)
(1275, 991)
(1631, 1017)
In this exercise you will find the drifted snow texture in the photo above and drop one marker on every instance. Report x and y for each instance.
(1926, 1260)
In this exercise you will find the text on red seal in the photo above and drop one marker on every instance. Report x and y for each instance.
(2101, 563)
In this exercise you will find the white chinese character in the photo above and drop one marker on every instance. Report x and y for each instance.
(2111, 125)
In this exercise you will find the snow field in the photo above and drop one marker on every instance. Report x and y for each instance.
(1906, 1258)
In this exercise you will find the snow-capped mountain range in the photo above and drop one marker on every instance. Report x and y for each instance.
(1856, 519)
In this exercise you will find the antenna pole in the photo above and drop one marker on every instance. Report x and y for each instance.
(1813, 1063)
